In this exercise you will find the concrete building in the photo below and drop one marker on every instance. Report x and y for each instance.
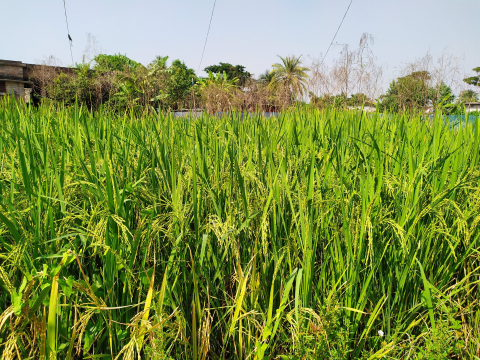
(14, 79)
(472, 106)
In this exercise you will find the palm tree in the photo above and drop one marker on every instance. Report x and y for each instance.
(290, 76)
(467, 96)
(266, 78)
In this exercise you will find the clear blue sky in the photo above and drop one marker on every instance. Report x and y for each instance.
(250, 33)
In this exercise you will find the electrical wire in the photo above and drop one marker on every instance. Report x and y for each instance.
(68, 30)
(339, 26)
(208, 31)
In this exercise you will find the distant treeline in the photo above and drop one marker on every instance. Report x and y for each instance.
(354, 80)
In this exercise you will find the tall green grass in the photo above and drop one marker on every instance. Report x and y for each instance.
(305, 236)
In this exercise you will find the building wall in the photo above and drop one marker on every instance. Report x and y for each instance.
(11, 72)
(15, 88)
(28, 94)
(470, 108)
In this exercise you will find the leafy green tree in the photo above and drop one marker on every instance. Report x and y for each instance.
(115, 62)
(179, 84)
(61, 89)
(340, 101)
(237, 71)
(467, 96)
(408, 93)
(474, 80)
(444, 94)
(140, 86)
(359, 99)
(131, 90)
(222, 80)
(82, 85)
(444, 99)
(328, 101)
(158, 66)
(218, 92)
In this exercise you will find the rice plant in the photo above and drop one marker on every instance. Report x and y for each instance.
(311, 235)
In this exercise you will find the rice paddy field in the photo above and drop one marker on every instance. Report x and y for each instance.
(310, 235)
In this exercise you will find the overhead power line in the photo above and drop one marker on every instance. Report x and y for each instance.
(339, 26)
(68, 30)
(208, 31)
